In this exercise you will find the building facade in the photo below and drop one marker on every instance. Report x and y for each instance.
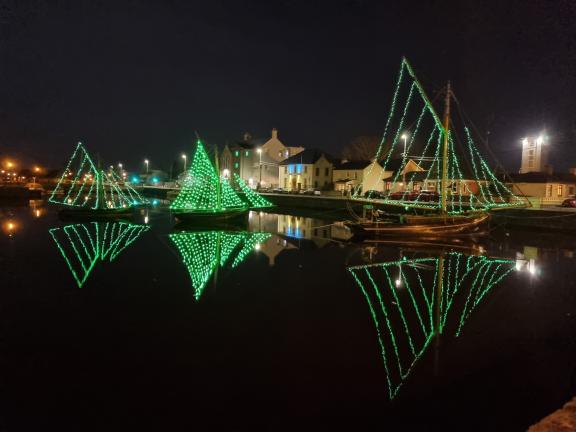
(309, 169)
(534, 155)
(358, 176)
(256, 161)
(544, 188)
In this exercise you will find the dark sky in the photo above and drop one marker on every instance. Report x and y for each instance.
(134, 79)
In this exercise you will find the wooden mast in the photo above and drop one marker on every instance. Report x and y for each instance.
(445, 147)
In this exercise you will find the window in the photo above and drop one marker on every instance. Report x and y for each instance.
(317, 172)
(530, 152)
(305, 169)
(388, 186)
(286, 170)
(235, 165)
(326, 171)
(305, 183)
(285, 183)
(247, 153)
(316, 182)
(279, 154)
(548, 190)
(237, 153)
(560, 190)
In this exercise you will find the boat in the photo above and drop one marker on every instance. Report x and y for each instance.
(86, 192)
(208, 198)
(427, 181)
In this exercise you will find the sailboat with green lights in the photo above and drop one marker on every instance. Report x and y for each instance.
(86, 191)
(84, 245)
(204, 252)
(431, 179)
(208, 198)
(413, 302)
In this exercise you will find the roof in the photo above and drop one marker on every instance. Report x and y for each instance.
(352, 165)
(542, 177)
(308, 157)
(248, 145)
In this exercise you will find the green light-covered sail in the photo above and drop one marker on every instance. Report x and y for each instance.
(410, 155)
(411, 301)
(83, 245)
(254, 198)
(83, 185)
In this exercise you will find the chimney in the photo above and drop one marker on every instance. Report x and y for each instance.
(247, 137)
(274, 133)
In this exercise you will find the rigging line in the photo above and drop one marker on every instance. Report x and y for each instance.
(466, 118)
(505, 175)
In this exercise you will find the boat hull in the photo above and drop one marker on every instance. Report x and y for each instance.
(228, 217)
(425, 226)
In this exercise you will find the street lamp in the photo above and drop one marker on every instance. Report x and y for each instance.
(260, 168)
(184, 157)
(147, 162)
(405, 138)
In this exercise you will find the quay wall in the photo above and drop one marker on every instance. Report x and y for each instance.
(338, 208)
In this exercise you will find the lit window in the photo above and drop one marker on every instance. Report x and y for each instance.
(247, 153)
(235, 165)
(237, 153)
(560, 190)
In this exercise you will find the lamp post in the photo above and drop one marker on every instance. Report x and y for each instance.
(404, 138)
(147, 162)
(184, 157)
(260, 168)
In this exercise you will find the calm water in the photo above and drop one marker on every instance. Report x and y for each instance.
(286, 326)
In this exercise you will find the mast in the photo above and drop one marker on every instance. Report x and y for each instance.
(445, 147)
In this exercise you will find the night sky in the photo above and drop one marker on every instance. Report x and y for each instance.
(135, 79)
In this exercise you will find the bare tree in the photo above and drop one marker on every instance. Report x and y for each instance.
(364, 147)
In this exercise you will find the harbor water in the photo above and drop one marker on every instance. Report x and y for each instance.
(285, 324)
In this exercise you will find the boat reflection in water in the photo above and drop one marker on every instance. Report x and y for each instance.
(83, 245)
(414, 301)
(203, 252)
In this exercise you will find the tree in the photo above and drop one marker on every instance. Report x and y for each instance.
(364, 148)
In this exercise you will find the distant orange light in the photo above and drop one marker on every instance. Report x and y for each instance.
(10, 227)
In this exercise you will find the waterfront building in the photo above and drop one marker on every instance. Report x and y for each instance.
(350, 176)
(309, 169)
(424, 176)
(256, 161)
(534, 155)
(544, 188)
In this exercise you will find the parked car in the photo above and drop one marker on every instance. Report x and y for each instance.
(278, 190)
(569, 202)
(311, 192)
(373, 194)
(398, 196)
(429, 196)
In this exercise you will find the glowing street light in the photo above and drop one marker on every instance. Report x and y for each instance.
(540, 140)
(184, 157)
(147, 162)
(404, 138)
